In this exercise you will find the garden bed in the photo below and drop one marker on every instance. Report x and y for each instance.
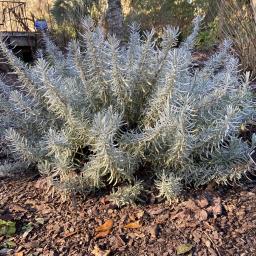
(211, 221)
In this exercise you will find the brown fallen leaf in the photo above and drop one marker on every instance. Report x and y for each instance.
(98, 252)
(106, 226)
(19, 254)
(102, 234)
(135, 224)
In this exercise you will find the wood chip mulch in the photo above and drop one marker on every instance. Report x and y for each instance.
(208, 222)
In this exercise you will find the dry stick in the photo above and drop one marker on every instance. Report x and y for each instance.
(214, 245)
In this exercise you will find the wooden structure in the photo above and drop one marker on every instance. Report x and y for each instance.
(17, 29)
(13, 17)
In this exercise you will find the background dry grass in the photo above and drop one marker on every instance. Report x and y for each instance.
(237, 23)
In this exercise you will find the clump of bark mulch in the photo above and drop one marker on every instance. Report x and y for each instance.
(208, 222)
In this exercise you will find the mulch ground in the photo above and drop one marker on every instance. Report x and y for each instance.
(214, 221)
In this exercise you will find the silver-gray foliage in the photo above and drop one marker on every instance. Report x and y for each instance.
(92, 117)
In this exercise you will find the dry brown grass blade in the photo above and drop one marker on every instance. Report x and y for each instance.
(237, 23)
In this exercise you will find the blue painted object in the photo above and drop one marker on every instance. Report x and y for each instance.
(41, 25)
